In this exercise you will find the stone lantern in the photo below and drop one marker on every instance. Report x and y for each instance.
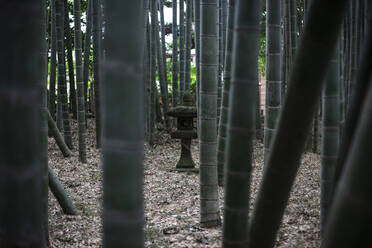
(185, 131)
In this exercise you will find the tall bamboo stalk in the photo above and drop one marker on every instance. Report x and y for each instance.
(80, 84)
(197, 50)
(221, 142)
(188, 45)
(20, 147)
(182, 48)
(162, 80)
(219, 59)
(175, 68)
(273, 72)
(209, 212)
(70, 61)
(351, 201)
(62, 73)
(44, 118)
(97, 34)
(241, 122)
(357, 98)
(53, 60)
(330, 136)
(163, 45)
(87, 47)
(294, 29)
(152, 86)
(123, 125)
(303, 93)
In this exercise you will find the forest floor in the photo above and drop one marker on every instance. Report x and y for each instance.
(171, 199)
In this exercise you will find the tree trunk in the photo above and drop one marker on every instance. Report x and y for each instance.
(44, 119)
(80, 84)
(70, 62)
(96, 66)
(182, 49)
(122, 105)
(53, 61)
(162, 81)
(330, 136)
(87, 47)
(60, 194)
(62, 74)
(209, 210)
(273, 72)
(188, 45)
(175, 67)
(20, 148)
(222, 128)
(303, 93)
(362, 86)
(241, 122)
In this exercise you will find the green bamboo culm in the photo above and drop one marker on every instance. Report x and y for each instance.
(221, 139)
(44, 118)
(303, 92)
(62, 74)
(225, 14)
(358, 96)
(163, 43)
(220, 61)
(163, 82)
(188, 45)
(152, 86)
(96, 66)
(241, 122)
(80, 83)
(21, 169)
(146, 67)
(197, 50)
(60, 194)
(87, 47)
(348, 225)
(123, 125)
(53, 59)
(182, 48)
(52, 127)
(294, 29)
(330, 136)
(209, 210)
(70, 61)
(273, 72)
(175, 67)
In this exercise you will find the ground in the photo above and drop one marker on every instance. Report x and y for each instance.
(171, 199)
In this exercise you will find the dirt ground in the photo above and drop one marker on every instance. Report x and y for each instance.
(171, 199)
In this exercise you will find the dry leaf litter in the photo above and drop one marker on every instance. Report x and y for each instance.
(171, 199)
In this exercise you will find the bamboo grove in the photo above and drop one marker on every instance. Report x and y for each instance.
(113, 61)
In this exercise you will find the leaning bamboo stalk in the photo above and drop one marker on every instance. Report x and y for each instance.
(358, 96)
(304, 89)
(349, 222)
(60, 194)
(58, 137)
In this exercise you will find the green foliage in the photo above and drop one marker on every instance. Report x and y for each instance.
(262, 56)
